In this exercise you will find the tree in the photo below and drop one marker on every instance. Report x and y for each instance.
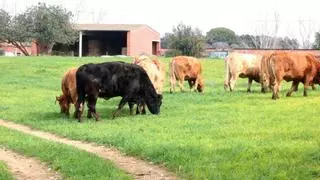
(51, 24)
(45, 25)
(15, 31)
(316, 44)
(165, 40)
(266, 32)
(187, 40)
(220, 34)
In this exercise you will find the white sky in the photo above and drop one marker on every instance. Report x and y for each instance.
(242, 16)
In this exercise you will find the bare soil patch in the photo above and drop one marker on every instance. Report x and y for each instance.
(139, 169)
(27, 168)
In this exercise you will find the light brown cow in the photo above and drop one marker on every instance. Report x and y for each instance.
(155, 70)
(295, 67)
(69, 91)
(185, 68)
(243, 66)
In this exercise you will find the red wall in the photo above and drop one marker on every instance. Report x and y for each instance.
(32, 49)
(140, 41)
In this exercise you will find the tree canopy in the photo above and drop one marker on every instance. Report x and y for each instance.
(186, 39)
(45, 25)
(221, 34)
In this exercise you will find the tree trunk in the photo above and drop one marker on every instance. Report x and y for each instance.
(44, 49)
(20, 46)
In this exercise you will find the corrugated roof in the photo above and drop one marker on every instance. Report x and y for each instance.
(109, 27)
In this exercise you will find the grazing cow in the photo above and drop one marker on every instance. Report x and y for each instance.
(111, 79)
(295, 67)
(69, 91)
(185, 68)
(155, 70)
(243, 66)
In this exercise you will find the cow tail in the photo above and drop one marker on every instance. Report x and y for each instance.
(272, 71)
(227, 73)
(172, 76)
(80, 93)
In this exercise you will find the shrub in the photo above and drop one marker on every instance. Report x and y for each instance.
(1, 52)
(172, 53)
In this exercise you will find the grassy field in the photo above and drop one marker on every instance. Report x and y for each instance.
(4, 172)
(70, 162)
(214, 135)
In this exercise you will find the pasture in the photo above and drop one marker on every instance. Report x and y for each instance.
(214, 135)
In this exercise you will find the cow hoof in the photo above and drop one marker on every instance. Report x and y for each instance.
(248, 90)
(288, 94)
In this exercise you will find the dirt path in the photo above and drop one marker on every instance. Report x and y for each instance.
(26, 168)
(137, 168)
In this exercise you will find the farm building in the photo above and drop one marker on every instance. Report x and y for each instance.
(116, 39)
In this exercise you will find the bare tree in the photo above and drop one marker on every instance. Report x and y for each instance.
(98, 16)
(266, 33)
(306, 31)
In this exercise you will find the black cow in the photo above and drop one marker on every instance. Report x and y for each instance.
(111, 79)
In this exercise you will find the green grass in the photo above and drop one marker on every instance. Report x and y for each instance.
(216, 135)
(4, 172)
(70, 162)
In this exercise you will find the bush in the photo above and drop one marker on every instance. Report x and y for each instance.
(1, 52)
(172, 53)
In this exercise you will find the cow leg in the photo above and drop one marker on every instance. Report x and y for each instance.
(275, 89)
(294, 87)
(249, 84)
(143, 108)
(180, 83)
(172, 84)
(191, 83)
(131, 104)
(92, 101)
(123, 101)
(233, 81)
(195, 85)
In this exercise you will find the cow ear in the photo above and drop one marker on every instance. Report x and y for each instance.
(160, 96)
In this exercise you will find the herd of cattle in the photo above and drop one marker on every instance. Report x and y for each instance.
(270, 69)
(141, 82)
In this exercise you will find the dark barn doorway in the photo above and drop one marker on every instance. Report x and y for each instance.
(155, 48)
(98, 43)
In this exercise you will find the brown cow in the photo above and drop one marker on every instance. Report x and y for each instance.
(243, 66)
(294, 67)
(186, 68)
(69, 91)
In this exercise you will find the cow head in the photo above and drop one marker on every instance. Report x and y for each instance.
(200, 86)
(63, 102)
(154, 103)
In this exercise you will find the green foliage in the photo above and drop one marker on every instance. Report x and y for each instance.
(214, 135)
(316, 43)
(70, 162)
(221, 34)
(4, 172)
(187, 40)
(46, 25)
(51, 24)
(165, 41)
(172, 53)
(5, 19)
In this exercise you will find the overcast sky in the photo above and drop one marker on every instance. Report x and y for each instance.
(241, 16)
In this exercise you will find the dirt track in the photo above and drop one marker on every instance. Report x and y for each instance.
(137, 168)
(26, 168)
